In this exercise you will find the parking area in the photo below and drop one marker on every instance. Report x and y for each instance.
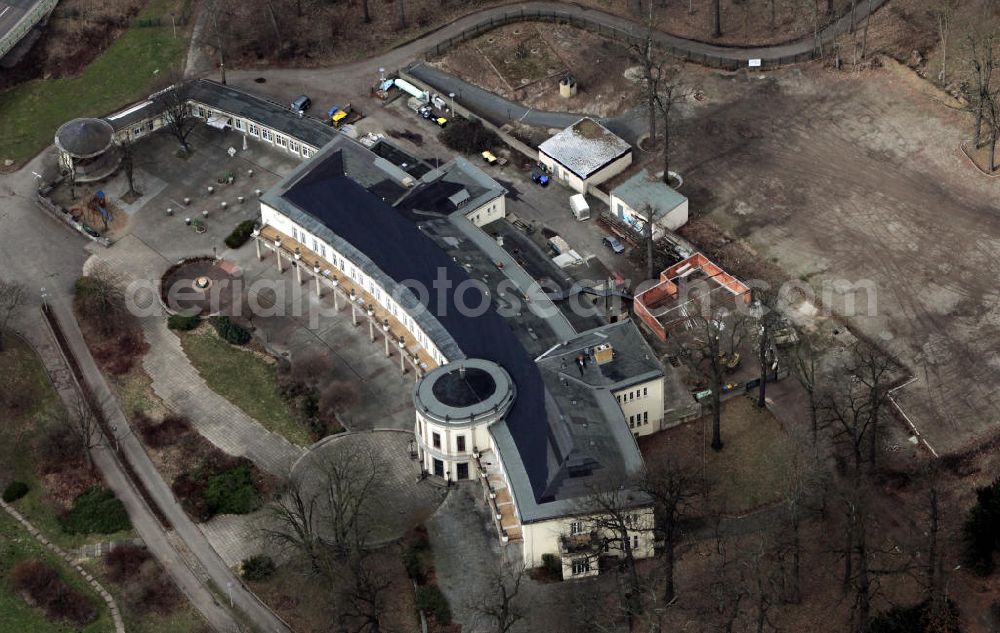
(542, 207)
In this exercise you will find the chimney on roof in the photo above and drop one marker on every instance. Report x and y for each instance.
(604, 353)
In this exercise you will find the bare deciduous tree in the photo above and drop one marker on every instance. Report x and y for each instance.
(667, 95)
(615, 523)
(350, 484)
(501, 603)
(671, 488)
(983, 65)
(311, 368)
(178, 117)
(847, 409)
(766, 323)
(943, 14)
(363, 594)
(872, 368)
(100, 299)
(652, 73)
(984, 96)
(804, 363)
(13, 296)
(712, 334)
(80, 419)
(218, 34)
(296, 527)
(864, 37)
(126, 147)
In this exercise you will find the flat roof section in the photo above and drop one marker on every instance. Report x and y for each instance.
(464, 392)
(235, 102)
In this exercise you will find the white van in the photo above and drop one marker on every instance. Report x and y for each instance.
(578, 204)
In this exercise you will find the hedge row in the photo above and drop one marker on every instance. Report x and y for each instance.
(241, 234)
(183, 323)
(230, 332)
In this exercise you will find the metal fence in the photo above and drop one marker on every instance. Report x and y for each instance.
(637, 36)
(27, 22)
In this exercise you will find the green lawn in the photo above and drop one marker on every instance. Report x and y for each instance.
(15, 615)
(30, 113)
(18, 435)
(244, 379)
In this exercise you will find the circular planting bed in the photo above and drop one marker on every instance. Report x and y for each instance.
(201, 285)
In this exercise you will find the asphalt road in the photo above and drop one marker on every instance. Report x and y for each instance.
(11, 11)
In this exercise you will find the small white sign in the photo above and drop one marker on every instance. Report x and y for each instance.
(754, 63)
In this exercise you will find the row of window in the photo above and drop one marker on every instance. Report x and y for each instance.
(638, 419)
(461, 471)
(459, 442)
(629, 396)
(364, 281)
(577, 527)
(257, 131)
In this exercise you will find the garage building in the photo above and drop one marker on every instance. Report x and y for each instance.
(586, 153)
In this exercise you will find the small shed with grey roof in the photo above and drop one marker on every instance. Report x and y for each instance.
(586, 153)
(642, 194)
(87, 147)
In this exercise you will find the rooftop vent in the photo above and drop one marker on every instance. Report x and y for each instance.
(604, 353)
(459, 198)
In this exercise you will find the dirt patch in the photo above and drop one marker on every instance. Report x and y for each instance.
(308, 606)
(82, 204)
(749, 472)
(525, 62)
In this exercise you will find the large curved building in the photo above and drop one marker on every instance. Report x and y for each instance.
(538, 405)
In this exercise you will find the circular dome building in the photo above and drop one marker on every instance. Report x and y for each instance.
(455, 404)
(87, 146)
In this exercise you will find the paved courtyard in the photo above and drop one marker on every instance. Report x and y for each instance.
(153, 241)
(466, 551)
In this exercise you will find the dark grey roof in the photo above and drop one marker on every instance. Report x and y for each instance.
(550, 458)
(456, 186)
(234, 102)
(85, 138)
(586, 439)
(407, 162)
(633, 360)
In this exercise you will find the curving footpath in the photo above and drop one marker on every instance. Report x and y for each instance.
(354, 79)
